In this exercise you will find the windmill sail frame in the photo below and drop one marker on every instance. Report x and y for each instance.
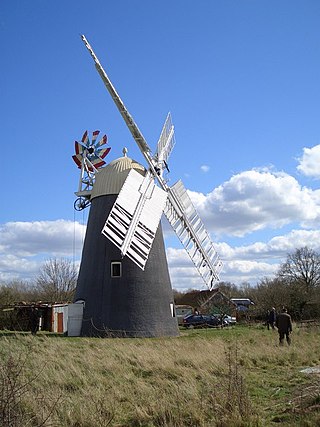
(193, 236)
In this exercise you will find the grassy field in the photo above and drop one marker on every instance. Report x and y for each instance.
(230, 377)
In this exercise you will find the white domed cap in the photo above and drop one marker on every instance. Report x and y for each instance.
(110, 179)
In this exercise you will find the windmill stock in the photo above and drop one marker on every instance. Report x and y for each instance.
(132, 226)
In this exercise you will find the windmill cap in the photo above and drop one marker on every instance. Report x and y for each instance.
(110, 179)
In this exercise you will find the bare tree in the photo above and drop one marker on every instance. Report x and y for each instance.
(302, 266)
(229, 289)
(301, 272)
(57, 280)
(268, 293)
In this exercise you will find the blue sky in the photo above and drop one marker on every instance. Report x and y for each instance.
(241, 79)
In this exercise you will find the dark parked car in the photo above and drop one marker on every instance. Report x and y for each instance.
(200, 321)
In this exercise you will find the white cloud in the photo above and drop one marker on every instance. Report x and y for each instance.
(247, 263)
(205, 168)
(276, 248)
(254, 200)
(310, 162)
(16, 267)
(31, 238)
(25, 245)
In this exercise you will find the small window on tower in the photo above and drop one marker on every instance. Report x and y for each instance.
(116, 269)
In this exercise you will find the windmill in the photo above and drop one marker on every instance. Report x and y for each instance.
(124, 278)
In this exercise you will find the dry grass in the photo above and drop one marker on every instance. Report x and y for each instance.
(234, 377)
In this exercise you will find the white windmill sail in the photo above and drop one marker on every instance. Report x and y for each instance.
(135, 216)
(182, 215)
(193, 235)
(165, 144)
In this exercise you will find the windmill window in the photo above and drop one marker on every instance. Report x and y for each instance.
(172, 309)
(116, 270)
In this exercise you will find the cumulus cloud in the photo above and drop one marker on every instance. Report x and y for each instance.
(254, 200)
(31, 238)
(25, 245)
(246, 263)
(309, 163)
(275, 248)
(16, 267)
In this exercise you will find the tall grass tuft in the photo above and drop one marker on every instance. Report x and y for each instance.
(16, 394)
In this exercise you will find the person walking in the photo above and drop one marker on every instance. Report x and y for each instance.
(271, 320)
(284, 325)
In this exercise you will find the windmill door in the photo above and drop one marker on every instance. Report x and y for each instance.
(60, 322)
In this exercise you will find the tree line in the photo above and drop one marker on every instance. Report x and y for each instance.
(296, 285)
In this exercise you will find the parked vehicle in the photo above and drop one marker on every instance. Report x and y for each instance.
(182, 311)
(200, 321)
(228, 320)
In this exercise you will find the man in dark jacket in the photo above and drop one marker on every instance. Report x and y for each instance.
(271, 320)
(284, 325)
